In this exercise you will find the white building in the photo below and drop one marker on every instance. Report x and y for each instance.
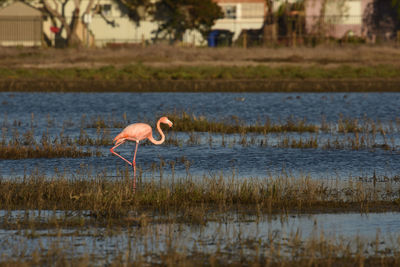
(241, 15)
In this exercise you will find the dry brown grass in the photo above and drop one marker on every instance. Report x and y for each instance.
(166, 56)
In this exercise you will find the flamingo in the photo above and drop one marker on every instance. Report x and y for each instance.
(137, 132)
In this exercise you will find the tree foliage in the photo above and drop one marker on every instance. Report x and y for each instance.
(136, 9)
(178, 16)
(396, 4)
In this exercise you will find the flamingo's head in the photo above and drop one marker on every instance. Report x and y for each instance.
(166, 121)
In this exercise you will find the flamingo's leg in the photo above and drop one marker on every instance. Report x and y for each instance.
(115, 153)
(134, 167)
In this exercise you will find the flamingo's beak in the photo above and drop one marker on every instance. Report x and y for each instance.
(169, 123)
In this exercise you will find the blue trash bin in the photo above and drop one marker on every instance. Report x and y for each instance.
(212, 38)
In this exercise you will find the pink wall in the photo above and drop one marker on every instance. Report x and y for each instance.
(313, 11)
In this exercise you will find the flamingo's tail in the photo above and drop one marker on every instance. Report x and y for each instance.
(118, 139)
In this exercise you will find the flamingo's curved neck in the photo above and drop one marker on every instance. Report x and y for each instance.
(159, 142)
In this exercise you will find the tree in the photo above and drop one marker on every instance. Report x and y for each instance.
(382, 20)
(56, 11)
(178, 16)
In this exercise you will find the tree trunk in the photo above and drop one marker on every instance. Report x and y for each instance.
(72, 27)
(73, 39)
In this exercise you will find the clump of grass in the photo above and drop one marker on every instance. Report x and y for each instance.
(301, 143)
(101, 122)
(54, 151)
(186, 122)
(26, 146)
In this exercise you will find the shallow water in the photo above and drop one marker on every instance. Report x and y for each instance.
(58, 112)
(231, 235)
(312, 106)
(63, 111)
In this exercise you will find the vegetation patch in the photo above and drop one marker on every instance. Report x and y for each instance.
(53, 151)
(106, 198)
(143, 72)
(259, 78)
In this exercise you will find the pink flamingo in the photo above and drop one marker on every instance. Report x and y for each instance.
(137, 132)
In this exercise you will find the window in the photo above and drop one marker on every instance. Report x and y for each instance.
(229, 12)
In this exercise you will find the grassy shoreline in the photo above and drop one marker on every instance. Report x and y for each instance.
(141, 78)
(139, 72)
(202, 86)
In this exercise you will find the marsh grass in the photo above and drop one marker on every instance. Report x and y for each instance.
(26, 146)
(54, 151)
(191, 130)
(106, 198)
(190, 122)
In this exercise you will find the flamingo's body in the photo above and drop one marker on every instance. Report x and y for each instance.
(137, 132)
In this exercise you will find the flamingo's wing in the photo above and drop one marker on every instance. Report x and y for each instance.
(134, 132)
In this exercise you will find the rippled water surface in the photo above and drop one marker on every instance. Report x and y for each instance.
(211, 154)
(230, 235)
(63, 111)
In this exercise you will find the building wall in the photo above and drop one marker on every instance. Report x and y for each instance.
(249, 14)
(341, 17)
